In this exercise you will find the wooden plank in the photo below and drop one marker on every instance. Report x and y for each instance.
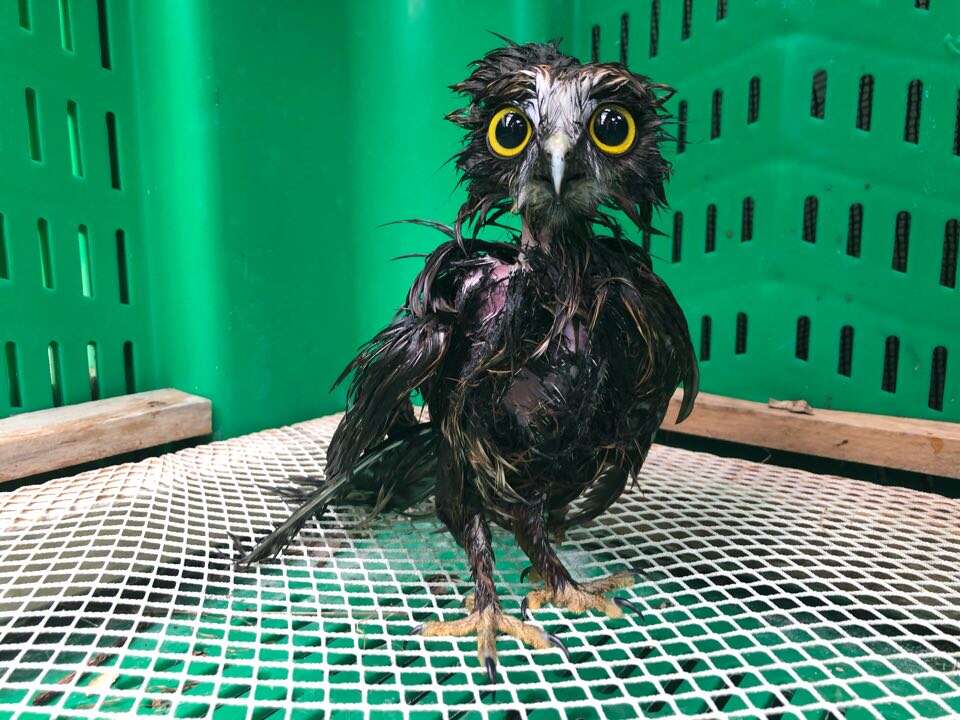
(925, 446)
(48, 440)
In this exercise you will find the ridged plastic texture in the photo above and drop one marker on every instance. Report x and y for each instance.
(770, 592)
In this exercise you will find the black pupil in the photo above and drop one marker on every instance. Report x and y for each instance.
(511, 130)
(611, 127)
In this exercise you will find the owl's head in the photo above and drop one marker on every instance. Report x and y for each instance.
(556, 140)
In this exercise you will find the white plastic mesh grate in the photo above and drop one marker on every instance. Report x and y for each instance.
(771, 592)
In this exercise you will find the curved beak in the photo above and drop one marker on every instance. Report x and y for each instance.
(556, 147)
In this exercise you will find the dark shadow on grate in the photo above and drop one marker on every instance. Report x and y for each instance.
(740, 347)
(948, 263)
(845, 363)
(854, 230)
(721, 9)
(865, 103)
(716, 109)
(901, 243)
(891, 360)
(595, 43)
(687, 19)
(753, 100)
(802, 349)
(706, 328)
(654, 27)
(746, 220)
(911, 128)
(810, 219)
(624, 38)
(711, 240)
(938, 377)
(677, 236)
(687, 667)
(818, 95)
(682, 126)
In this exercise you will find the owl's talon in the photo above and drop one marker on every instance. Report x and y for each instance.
(630, 605)
(417, 630)
(559, 644)
(526, 571)
(581, 597)
(525, 610)
(491, 664)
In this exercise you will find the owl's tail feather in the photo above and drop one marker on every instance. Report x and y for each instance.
(395, 475)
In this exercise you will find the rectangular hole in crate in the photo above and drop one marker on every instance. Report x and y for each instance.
(104, 33)
(4, 266)
(624, 38)
(721, 9)
(46, 259)
(802, 347)
(654, 27)
(595, 43)
(86, 277)
(845, 361)
(711, 239)
(740, 346)
(956, 128)
(746, 220)
(73, 135)
(56, 377)
(948, 261)
(901, 243)
(810, 219)
(128, 368)
(818, 95)
(34, 146)
(93, 371)
(113, 150)
(753, 100)
(938, 377)
(122, 272)
(23, 14)
(911, 125)
(677, 237)
(687, 21)
(13, 374)
(891, 359)
(865, 103)
(854, 230)
(921, 4)
(716, 107)
(681, 126)
(706, 327)
(66, 26)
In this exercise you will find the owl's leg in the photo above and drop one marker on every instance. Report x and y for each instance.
(560, 589)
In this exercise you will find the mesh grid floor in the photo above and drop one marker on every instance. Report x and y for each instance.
(771, 593)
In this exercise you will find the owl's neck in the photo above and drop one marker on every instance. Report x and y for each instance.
(548, 237)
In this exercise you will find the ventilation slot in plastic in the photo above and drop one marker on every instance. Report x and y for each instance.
(810, 219)
(854, 230)
(86, 277)
(845, 364)
(716, 109)
(938, 377)
(802, 350)
(66, 30)
(706, 327)
(73, 135)
(956, 129)
(740, 346)
(33, 126)
(624, 38)
(901, 243)
(922, 4)
(104, 31)
(753, 100)
(93, 371)
(114, 151)
(122, 273)
(948, 263)
(13, 374)
(687, 19)
(746, 220)
(711, 240)
(911, 128)
(677, 236)
(818, 97)
(654, 27)
(681, 126)
(4, 266)
(23, 13)
(865, 103)
(891, 359)
(721, 9)
(595, 43)
(46, 260)
(56, 377)
(128, 368)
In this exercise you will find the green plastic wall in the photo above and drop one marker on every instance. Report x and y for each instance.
(262, 146)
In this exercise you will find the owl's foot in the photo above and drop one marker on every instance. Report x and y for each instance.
(581, 597)
(486, 625)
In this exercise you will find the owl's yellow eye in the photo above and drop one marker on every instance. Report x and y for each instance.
(613, 129)
(509, 132)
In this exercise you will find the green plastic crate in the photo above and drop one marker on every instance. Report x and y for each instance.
(192, 192)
